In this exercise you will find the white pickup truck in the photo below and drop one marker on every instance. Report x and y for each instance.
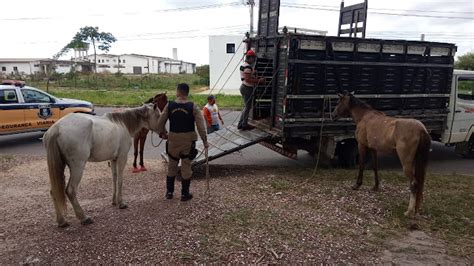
(460, 121)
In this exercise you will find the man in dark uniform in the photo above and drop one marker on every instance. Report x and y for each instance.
(184, 117)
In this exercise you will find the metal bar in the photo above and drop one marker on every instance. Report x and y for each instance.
(367, 96)
(222, 136)
(299, 61)
(296, 120)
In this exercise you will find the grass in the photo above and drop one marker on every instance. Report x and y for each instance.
(447, 210)
(6, 157)
(136, 97)
(129, 90)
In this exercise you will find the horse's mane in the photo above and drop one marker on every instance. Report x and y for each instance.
(130, 118)
(354, 102)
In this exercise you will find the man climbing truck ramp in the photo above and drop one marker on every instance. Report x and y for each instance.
(401, 78)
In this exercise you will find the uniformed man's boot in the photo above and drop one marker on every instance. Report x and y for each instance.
(185, 195)
(169, 187)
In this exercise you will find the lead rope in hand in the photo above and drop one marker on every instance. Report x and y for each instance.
(315, 170)
(208, 185)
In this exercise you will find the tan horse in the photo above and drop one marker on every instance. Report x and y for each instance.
(377, 132)
(139, 139)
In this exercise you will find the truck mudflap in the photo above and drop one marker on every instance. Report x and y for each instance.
(229, 140)
(293, 154)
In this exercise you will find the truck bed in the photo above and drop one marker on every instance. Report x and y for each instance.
(400, 78)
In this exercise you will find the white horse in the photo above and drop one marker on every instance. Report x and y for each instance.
(77, 138)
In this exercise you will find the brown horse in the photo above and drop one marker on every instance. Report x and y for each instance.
(139, 140)
(377, 132)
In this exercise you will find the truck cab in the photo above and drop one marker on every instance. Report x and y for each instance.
(460, 121)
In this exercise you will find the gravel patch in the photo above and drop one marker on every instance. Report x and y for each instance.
(253, 215)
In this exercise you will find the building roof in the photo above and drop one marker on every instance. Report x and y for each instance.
(159, 58)
(20, 60)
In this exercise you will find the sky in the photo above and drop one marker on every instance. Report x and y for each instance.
(39, 29)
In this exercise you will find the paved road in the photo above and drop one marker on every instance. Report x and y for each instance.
(443, 159)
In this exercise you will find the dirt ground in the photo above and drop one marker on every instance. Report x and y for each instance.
(253, 215)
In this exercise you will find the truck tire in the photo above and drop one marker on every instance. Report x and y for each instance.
(466, 149)
(347, 153)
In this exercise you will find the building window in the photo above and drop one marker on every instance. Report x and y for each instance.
(107, 60)
(231, 48)
(123, 60)
(113, 60)
(36, 65)
(4, 68)
(15, 68)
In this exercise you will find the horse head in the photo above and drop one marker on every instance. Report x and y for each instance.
(160, 101)
(343, 107)
(152, 116)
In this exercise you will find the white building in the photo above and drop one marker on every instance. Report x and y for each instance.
(225, 51)
(31, 66)
(141, 64)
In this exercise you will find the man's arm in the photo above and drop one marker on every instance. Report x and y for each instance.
(200, 124)
(220, 117)
(251, 80)
(162, 120)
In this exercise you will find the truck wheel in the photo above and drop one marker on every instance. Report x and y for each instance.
(347, 153)
(466, 149)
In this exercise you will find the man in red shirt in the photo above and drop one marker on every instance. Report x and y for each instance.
(212, 115)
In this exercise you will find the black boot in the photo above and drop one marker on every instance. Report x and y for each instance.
(169, 187)
(185, 195)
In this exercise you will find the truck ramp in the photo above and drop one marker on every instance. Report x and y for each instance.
(228, 140)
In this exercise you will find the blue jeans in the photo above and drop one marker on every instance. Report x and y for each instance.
(213, 128)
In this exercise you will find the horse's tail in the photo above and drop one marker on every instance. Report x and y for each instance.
(421, 163)
(56, 165)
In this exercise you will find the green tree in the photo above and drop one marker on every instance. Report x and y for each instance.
(465, 61)
(91, 35)
(203, 73)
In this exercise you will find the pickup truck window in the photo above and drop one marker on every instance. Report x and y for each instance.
(32, 96)
(8, 96)
(466, 89)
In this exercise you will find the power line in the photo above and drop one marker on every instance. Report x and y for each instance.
(179, 9)
(375, 12)
(386, 9)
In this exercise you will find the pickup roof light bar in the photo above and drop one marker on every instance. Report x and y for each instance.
(17, 83)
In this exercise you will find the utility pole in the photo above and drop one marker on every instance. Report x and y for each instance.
(251, 3)
(422, 37)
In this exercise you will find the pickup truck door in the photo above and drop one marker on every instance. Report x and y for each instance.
(463, 114)
(40, 109)
(12, 117)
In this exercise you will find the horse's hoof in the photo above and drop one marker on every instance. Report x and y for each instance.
(143, 169)
(356, 187)
(135, 170)
(123, 206)
(87, 221)
(63, 224)
(414, 226)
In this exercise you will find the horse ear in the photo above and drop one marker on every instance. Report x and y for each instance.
(352, 93)
(340, 95)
